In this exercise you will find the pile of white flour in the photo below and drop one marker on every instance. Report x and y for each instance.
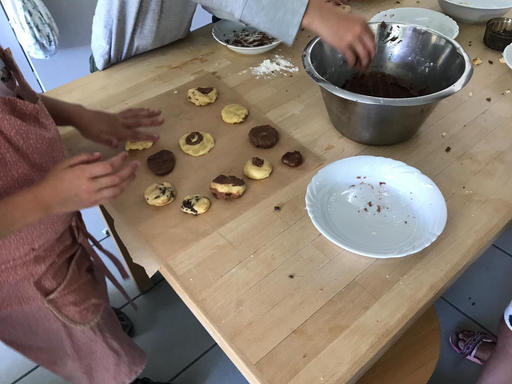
(274, 66)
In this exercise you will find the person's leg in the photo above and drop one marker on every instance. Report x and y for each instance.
(498, 369)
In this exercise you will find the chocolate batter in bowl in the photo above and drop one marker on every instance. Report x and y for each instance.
(414, 69)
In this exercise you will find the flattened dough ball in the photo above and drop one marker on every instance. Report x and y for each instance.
(234, 113)
(160, 194)
(195, 204)
(137, 145)
(202, 96)
(227, 187)
(197, 143)
(257, 169)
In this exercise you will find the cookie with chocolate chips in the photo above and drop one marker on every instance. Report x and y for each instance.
(202, 96)
(257, 169)
(162, 162)
(197, 143)
(292, 159)
(227, 187)
(160, 194)
(195, 204)
(263, 136)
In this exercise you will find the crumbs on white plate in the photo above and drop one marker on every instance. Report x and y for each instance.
(274, 66)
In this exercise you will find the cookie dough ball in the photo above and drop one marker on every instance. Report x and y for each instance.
(292, 159)
(195, 204)
(257, 168)
(160, 194)
(197, 143)
(202, 96)
(263, 136)
(137, 145)
(162, 162)
(234, 113)
(227, 187)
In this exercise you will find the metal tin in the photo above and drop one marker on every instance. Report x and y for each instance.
(498, 33)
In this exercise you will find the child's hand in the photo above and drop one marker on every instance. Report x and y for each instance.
(346, 32)
(111, 128)
(83, 181)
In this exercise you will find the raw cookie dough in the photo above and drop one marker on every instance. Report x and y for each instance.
(202, 96)
(227, 187)
(263, 136)
(234, 113)
(137, 145)
(292, 159)
(195, 204)
(257, 169)
(160, 194)
(162, 162)
(197, 143)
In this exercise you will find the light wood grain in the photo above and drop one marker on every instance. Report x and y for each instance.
(339, 312)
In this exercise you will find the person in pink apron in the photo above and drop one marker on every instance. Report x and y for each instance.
(54, 306)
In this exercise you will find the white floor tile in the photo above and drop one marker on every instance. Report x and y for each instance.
(94, 222)
(213, 368)
(12, 364)
(484, 290)
(116, 299)
(167, 331)
(42, 376)
(451, 368)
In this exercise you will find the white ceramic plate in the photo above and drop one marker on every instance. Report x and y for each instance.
(475, 11)
(225, 30)
(507, 55)
(376, 207)
(420, 16)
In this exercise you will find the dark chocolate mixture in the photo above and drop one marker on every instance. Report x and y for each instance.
(194, 138)
(205, 90)
(246, 39)
(257, 161)
(380, 84)
(229, 180)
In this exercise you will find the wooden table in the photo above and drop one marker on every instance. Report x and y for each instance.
(285, 304)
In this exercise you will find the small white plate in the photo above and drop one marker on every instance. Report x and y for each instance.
(225, 30)
(376, 207)
(507, 55)
(420, 16)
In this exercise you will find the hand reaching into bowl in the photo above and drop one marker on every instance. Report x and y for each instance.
(346, 32)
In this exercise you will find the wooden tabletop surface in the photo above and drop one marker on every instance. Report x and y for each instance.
(285, 304)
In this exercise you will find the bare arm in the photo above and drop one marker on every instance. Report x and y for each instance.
(62, 113)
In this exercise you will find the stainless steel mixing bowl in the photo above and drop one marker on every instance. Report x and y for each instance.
(416, 54)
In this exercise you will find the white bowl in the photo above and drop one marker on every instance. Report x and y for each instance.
(420, 16)
(507, 55)
(475, 11)
(225, 30)
(376, 207)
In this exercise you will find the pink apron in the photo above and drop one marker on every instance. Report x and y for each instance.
(53, 298)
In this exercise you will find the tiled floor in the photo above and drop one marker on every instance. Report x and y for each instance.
(179, 349)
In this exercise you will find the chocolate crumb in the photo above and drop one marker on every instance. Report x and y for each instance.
(383, 25)
(488, 99)
(277, 209)
(291, 276)
(257, 162)
(381, 183)
(370, 204)
(366, 209)
(473, 303)
(448, 149)
(491, 62)
(463, 187)
(352, 186)
(378, 208)
(406, 222)
(359, 177)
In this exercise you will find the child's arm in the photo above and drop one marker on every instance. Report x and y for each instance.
(76, 183)
(104, 127)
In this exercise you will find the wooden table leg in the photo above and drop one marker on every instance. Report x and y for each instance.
(138, 273)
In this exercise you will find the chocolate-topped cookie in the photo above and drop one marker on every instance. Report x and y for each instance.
(162, 162)
(227, 187)
(292, 159)
(263, 136)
